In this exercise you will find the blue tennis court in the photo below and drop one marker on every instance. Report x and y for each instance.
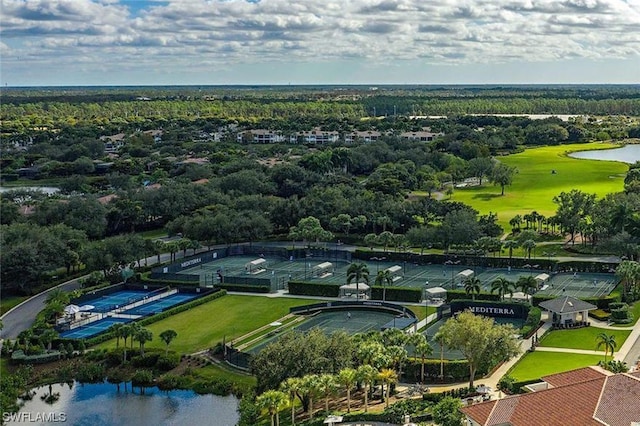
(93, 328)
(119, 298)
(161, 304)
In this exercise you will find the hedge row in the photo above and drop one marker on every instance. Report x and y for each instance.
(302, 288)
(461, 294)
(454, 370)
(397, 294)
(245, 288)
(600, 314)
(157, 317)
(532, 322)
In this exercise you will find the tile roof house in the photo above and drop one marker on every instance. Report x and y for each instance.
(582, 397)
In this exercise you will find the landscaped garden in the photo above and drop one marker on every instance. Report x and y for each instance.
(535, 365)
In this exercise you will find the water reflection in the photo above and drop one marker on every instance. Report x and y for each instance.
(110, 404)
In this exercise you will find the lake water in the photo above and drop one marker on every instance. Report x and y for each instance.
(46, 189)
(627, 154)
(104, 404)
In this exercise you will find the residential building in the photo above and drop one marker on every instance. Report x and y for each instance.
(583, 397)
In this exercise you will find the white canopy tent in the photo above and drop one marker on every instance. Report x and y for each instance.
(71, 309)
(255, 266)
(349, 290)
(465, 274)
(395, 272)
(542, 277)
(323, 269)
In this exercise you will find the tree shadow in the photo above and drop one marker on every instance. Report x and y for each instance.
(485, 196)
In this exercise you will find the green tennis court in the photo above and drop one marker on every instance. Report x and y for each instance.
(352, 321)
(326, 270)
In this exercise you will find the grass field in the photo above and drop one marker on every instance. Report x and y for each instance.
(535, 365)
(9, 302)
(581, 338)
(227, 317)
(535, 186)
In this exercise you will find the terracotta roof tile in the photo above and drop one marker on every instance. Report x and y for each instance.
(620, 401)
(574, 376)
(479, 412)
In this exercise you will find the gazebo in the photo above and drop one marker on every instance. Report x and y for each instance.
(436, 293)
(566, 311)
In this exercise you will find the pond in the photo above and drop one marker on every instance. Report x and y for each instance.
(627, 154)
(107, 404)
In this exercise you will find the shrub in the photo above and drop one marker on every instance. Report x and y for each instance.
(90, 373)
(172, 381)
(168, 362)
(397, 294)
(142, 378)
(600, 315)
(149, 360)
(216, 386)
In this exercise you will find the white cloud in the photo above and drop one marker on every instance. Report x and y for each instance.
(178, 33)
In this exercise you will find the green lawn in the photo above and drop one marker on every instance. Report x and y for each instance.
(538, 364)
(420, 311)
(581, 338)
(228, 317)
(221, 371)
(8, 302)
(535, 186)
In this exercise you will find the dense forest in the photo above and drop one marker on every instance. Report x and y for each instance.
(179, 165)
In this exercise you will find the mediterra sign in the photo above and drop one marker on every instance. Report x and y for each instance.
(491, 310)
(191, 262)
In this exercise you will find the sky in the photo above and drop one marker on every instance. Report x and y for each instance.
(218, 42)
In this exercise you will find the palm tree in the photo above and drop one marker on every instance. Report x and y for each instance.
(397, 354)
(422, 349)
(143, 336)
(125, 332)
(158, 248)
(440, 339)
(57, 295)
(347, 378)
(515, 222)
(366, 374)
(167, 336)
(472, 286)
(272, 401)
(358, 271)
(388, 377)
(526, 284)
(385, 238)
(135, 328)
(47, 337)
(26, 336)
(511, 244)
(310, 388)
(609, 343)
(327, 386)
(115, 329)
(291, 387)
(529, 245)
(502, 286)
(385, 278)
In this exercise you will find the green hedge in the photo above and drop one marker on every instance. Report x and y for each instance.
(454, 370)
(157, 317)
(532, 322)
(600, 315)
(302, 288)
(461, 294)
(397, 294)
(246, 288)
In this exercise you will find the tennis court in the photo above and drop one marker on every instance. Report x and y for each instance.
(93, 328)
(351, 321)
(161, 304)
(405, 274)
(119, 298)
